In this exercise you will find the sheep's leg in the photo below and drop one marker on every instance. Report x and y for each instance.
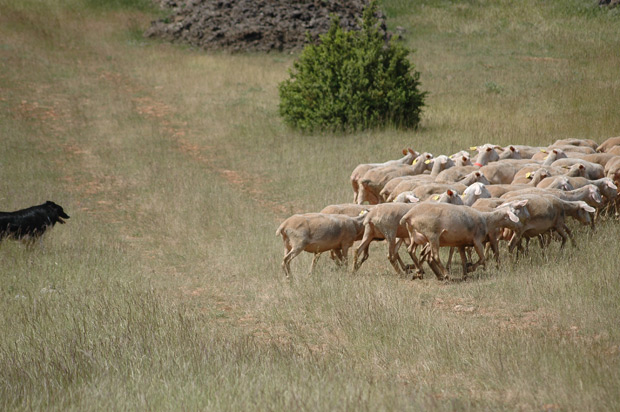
(463, 260)
(570, 235)
(286, 262)
(419, 272)
(315, 259)
(393, 256)
(399, 242)
(363, 247)
(480, 251)
(345, 254)
(436, 270)
(449, 263)
(339, 258)
(434, 245)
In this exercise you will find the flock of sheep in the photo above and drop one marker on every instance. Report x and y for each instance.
(511, 193)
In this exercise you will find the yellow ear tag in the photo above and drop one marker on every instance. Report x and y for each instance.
(415, 160)
(427, 161)
(543, 150)
(363, 212)
(436, 197)
(546, 157)
(528, 175)
(473, 148)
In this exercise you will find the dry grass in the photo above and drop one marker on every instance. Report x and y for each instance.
(164, 290)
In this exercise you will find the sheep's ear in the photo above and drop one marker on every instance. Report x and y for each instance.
(612, 185)
(477, 190)
(521, 203)
(363, 212)
(412, 199)
(489, 149)
(512, 216)
(582, 166)
(513, 149)
(413, 152)
(528, 175)
(404, 151)
(587, 207)
(450, 192)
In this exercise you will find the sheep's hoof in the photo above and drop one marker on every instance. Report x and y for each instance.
(419, 274)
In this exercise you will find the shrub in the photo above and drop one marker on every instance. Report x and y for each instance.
(352, 80)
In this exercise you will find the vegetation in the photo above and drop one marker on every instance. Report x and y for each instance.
(352, 80)
(164, 290)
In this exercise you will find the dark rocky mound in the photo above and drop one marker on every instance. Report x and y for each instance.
(253, 25)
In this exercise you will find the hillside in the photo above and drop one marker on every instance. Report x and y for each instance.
(164, 290)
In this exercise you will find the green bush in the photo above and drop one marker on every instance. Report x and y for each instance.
(352, 80)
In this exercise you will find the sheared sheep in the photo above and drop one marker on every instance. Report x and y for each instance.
(608, 144)
(360, 170)
(373, 181)
(442, 224)
(317, 233)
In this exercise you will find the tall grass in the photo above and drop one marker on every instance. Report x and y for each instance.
(164, 289)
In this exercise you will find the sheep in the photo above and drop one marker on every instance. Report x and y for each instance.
(510, 152)
(317, 233)
(423, 190)
(573, 149)
(606, 185)
(442, 224)
(527, 152)
(382, 222)
(608, 144)
(576, 142)
(534, 179)
(599, 158)
(426, 158)
(612, 169)
(547, 213)
(455, 173)
(348, 209)
(589, 194)
(486, 154)
(373, 181)
(361, 169)
(614, 151)
(503, 172)
(474, 192)
(406, 197)
(461, 158)
(525, 174)
(548, 156)
(409, 185)
(592, 170)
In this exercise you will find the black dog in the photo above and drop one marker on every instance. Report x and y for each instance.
(30, 224)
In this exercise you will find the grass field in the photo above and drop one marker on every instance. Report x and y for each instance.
(164, 290)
